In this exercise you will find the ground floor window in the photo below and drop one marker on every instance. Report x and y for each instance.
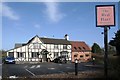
(75, 55)
(87, 55)
(34, 54)
(81, 56)
(56, 54)
(11, 54)
(64, 53)
(20, 54)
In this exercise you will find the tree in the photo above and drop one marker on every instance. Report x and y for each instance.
(116, 42)
(111, 49)
(96, 48)
(2, 53)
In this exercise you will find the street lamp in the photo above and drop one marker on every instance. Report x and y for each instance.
(76, 67)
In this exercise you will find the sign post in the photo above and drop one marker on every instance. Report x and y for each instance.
(105, 17)
(106, 51)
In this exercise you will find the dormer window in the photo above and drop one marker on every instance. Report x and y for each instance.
(75, 48)
(80, 48)
(84, 48)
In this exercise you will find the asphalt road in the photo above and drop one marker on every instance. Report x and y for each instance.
(28, 70)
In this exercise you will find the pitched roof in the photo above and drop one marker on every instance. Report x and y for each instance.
(54, 41)
(51, 40)
(78, 46)
(32, 39)
(19, 45)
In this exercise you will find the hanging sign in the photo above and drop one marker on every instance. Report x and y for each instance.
(105, 15)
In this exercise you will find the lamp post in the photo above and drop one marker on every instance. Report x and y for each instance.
(93, 59)
(76, 67)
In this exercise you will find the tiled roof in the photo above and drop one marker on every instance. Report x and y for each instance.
(19, 45)
(54, 41)
(78, 46)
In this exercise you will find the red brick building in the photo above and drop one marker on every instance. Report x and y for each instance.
(80, 51)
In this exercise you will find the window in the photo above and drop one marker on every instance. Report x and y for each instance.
(75, 55)
(75, 48)
(84, 48)
(64, 46)
(56, 54)
(34, 54)
(56, 46)
(20, 54)
(87, 55)
(36, 45)
(11, 54)
(80, 48)
(81, 56)
(64, 54)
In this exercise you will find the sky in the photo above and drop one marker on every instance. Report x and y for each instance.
(23, 20)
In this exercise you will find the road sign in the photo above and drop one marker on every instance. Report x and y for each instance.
(105, 15)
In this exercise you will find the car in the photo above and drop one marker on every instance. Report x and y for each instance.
(60, 59)
(9, 60)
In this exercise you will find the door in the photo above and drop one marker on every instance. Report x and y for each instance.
(44, 57)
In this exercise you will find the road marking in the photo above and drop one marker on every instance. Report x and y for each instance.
(38, 66)
(68, 67)
(13, 76)
(33, 66)
(30, 72)
(51, 68)
(60, 64)
(25, 66)
(61, 71)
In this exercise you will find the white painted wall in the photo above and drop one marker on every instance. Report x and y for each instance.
(29, 48)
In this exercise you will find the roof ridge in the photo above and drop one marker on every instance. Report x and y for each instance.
(77, 41)
(50, 38)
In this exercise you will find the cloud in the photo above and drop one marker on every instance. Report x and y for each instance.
(37, 26)
(53, 11)
(8, 12)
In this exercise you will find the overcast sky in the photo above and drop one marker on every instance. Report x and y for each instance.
(22, 21)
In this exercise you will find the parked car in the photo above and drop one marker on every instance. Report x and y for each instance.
(60, 59)
(9, 60)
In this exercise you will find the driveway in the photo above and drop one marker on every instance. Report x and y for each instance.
(29, 70)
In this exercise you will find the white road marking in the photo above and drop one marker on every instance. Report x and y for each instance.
(25, 66)
(51, 68)
(60, 64)
(38, 66)
(33, 66)
(61, 71)
(13, 76)
(30, 72)
(68, 67)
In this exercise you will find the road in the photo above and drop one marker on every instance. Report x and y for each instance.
(28, 70)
